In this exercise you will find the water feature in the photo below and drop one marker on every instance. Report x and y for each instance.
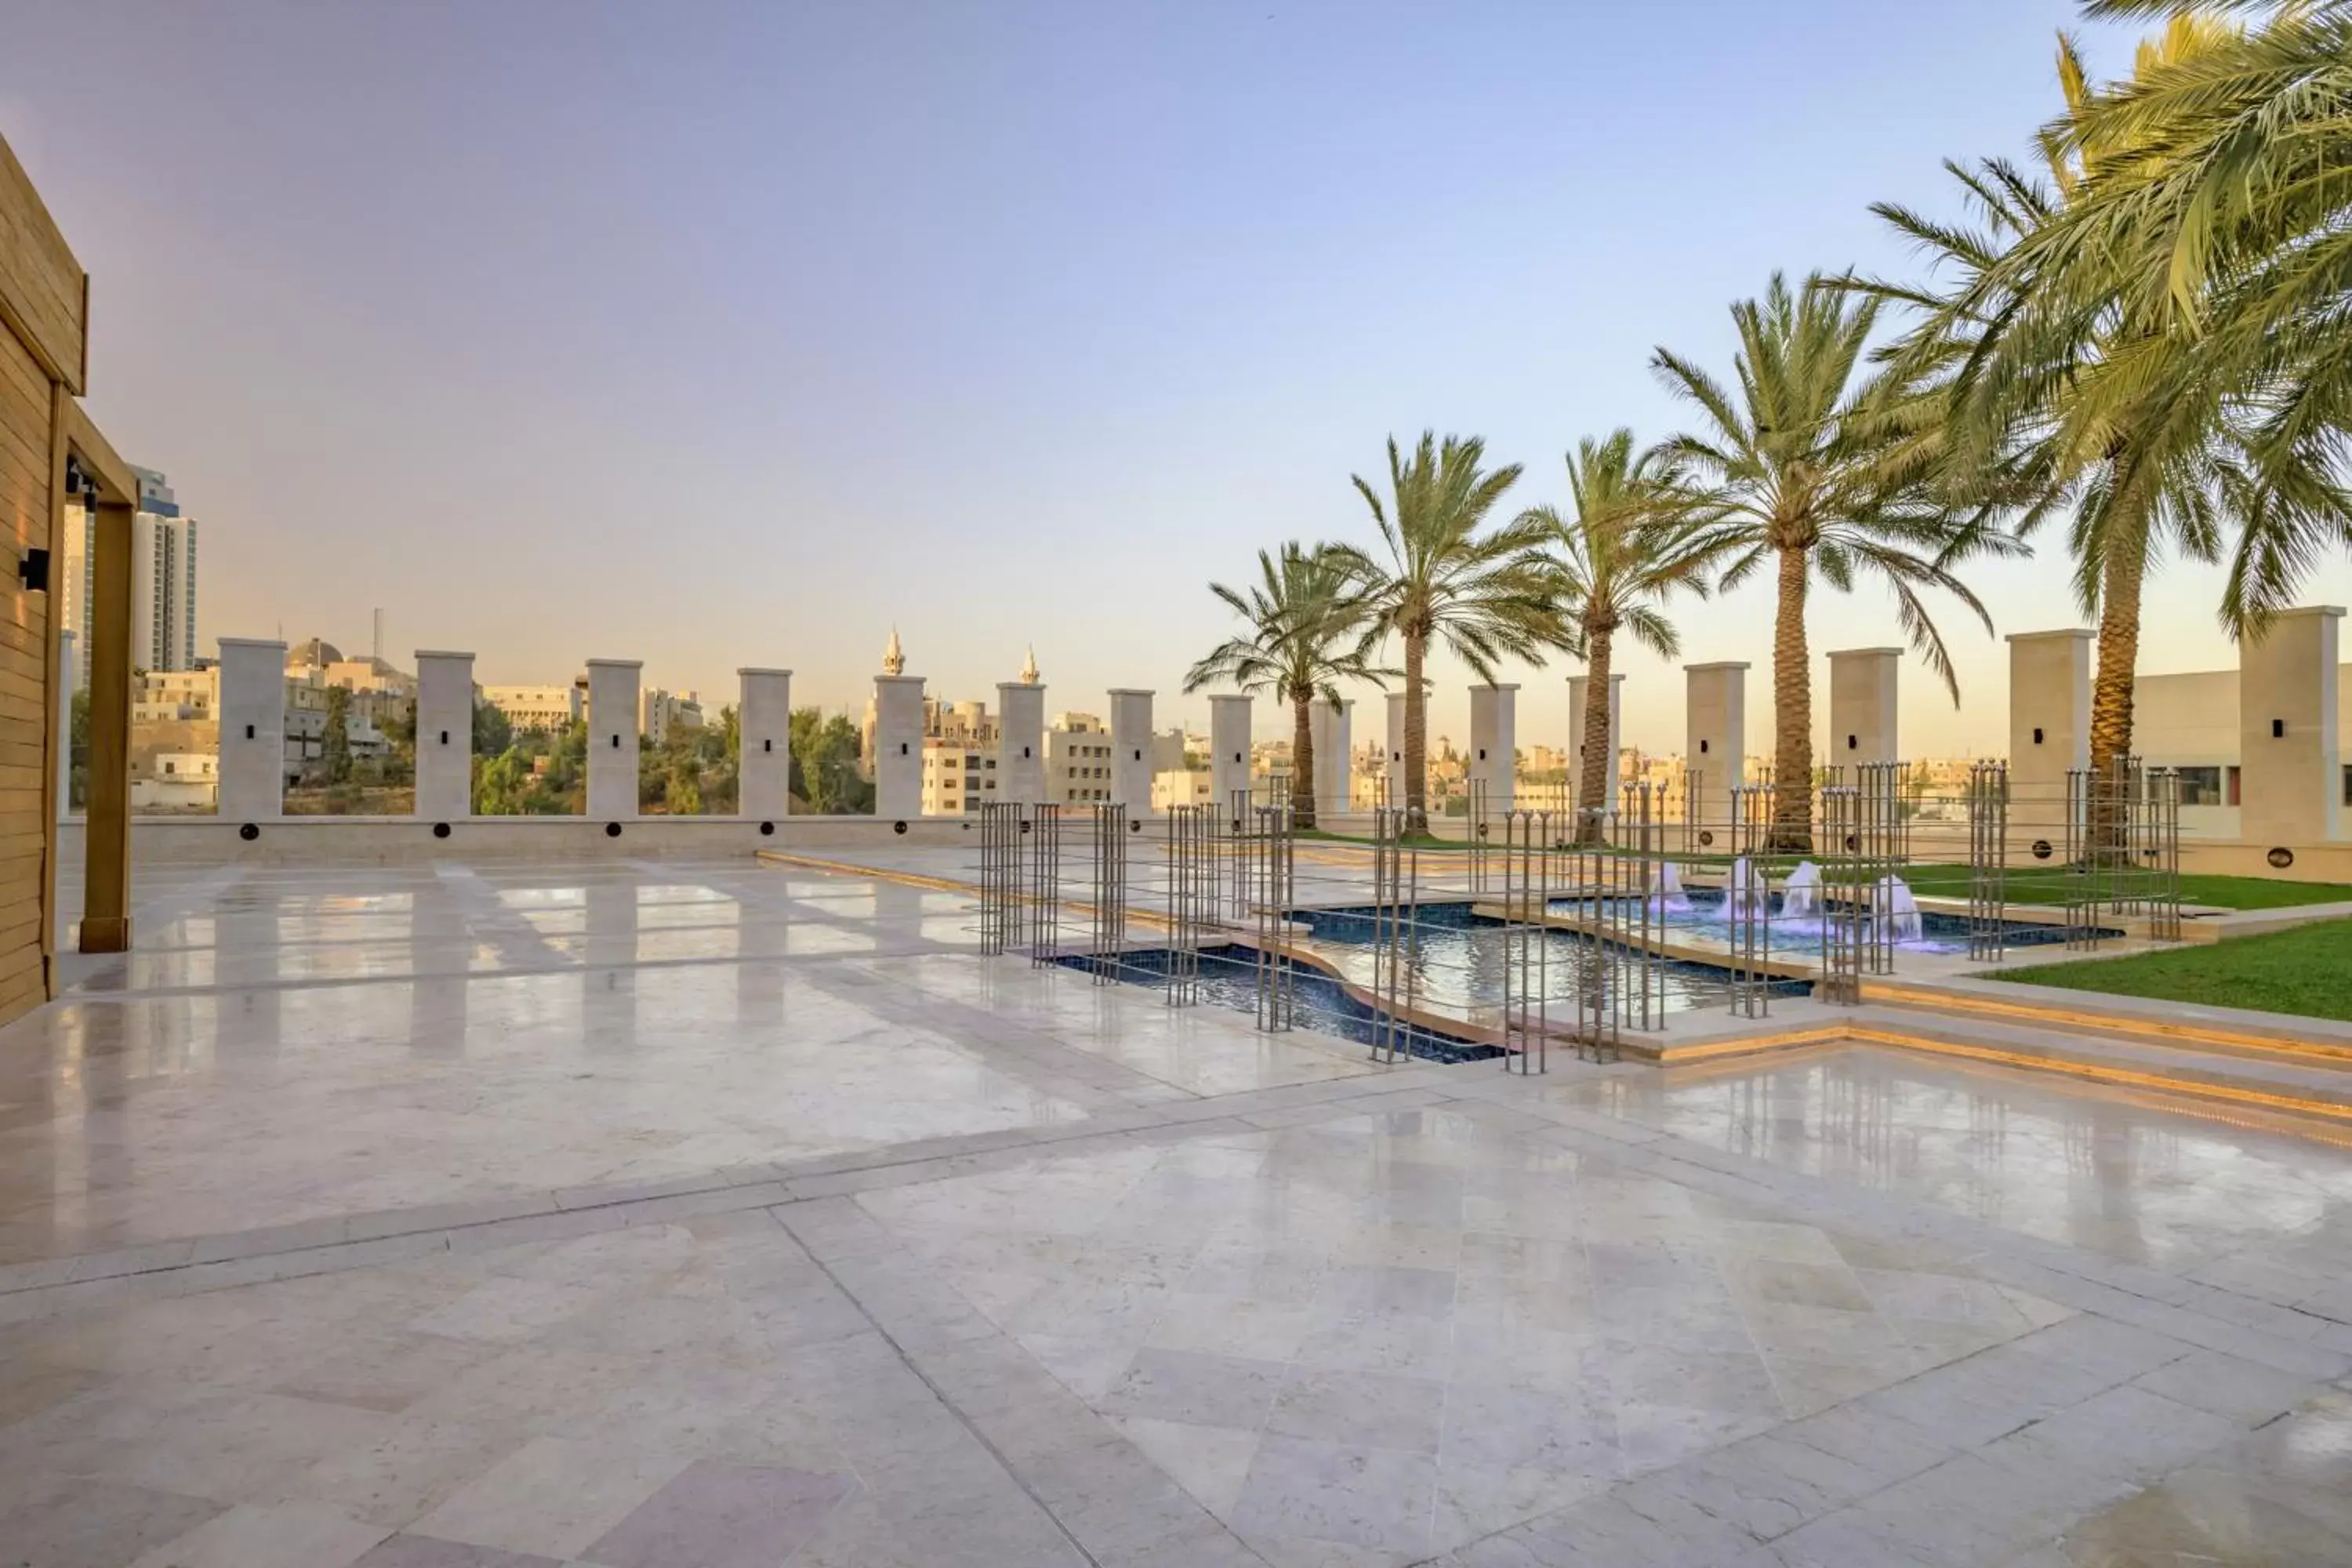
(1743, 892)
(1459, 961)
(1228, 978)
(1703, 920)
(1801, 895)
(1892, 902)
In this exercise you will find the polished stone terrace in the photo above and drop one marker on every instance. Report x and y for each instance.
(675, 1215)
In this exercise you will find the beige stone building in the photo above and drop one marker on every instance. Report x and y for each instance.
(2189, 722)
(1078, 761)
(555, 709)
(660, 711)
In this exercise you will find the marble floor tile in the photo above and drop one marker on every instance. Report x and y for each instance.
(425, 1552)
(404, 1469)
(1367, 1408)
(280, 1535)
(1493, 1429)
(1376, 1497)
(83, 1523)
(1200, 1389)
(1209, 1462)
(715, 1515)
(1079, 1274)
(552, 1497)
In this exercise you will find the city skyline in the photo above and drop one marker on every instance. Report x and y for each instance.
(1181, 352)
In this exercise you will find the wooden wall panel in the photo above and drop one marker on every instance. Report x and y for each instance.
(43, 295)
(24, 630)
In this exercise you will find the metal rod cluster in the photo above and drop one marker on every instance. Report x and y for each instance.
(1638, 872)
(1109, 899)
(1396, 935)
(2101, 847)
(1192, 896)
(1273, 886)
(1003, 903)
(1045, 876)
(1586, 898)
(1862, 841)
(1527, 847)
(1987, 809)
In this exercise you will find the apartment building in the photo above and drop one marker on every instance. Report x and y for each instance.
(1078, 760)
(555, 709)
(660, 711)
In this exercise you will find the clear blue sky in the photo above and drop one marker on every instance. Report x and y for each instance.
(718, 334)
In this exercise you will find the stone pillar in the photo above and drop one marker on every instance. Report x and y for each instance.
(2049, 716)
(1717, 730)
(1021, 741)
(1130, 750)
(898, 747)
(2290, 753)
(1578, 687)
(251, 708)
(613, 738)
(1229, 749)
(1333, 725)
(1494, 743)
(69, 683)
(1392, 762)
(445, 735)
(1862, 707)
(763, 744)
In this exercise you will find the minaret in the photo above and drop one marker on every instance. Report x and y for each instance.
(1021, 736)
(898, 737)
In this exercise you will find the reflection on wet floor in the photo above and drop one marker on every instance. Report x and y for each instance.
(293, 1043)
(1157, 1289)
(2282, 1495)
(2140, 1177)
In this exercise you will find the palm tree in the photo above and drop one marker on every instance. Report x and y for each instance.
(1485, 597)
(2216, 219)
(2055, 375)
(1823, 467)
(1639, 532)
(1310, 627)
(2033, 391)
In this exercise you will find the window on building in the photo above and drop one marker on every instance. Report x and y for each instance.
(2200, 787)
(2347, 785)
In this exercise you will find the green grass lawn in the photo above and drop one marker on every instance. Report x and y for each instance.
(1413, 841)
(2024, 885)
(2306, 970)
(2048, 886)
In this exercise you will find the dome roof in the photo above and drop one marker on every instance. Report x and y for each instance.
(316, 652)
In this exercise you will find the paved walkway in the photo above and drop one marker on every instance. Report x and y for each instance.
(709, 1216)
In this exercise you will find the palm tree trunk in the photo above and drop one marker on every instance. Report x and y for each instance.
(1593, 759)
(1792, 711)
(2111, 690)
(1302, 761)
(1416, 737)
